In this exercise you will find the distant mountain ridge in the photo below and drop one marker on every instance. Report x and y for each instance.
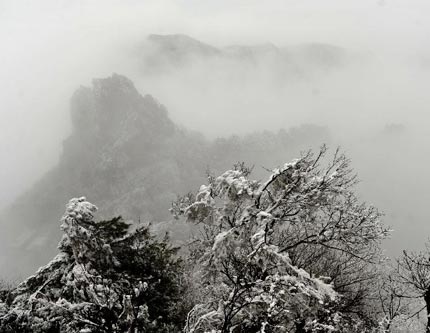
(163, 51)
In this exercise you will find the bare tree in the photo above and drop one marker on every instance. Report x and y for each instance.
(414, 272)
(391, 304)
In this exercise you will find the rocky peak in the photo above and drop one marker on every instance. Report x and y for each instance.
(112, 112)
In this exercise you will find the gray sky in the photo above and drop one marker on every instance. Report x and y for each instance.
(48, 48)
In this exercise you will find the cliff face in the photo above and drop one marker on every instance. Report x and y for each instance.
(129, 158)
(121, 141)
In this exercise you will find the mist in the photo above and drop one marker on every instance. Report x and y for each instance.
(50, 49)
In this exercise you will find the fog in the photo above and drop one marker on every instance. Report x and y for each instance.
(49, 49)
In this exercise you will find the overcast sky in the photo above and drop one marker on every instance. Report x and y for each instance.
(48, 48)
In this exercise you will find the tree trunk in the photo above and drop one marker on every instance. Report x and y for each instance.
(300, 326)
(427, 300)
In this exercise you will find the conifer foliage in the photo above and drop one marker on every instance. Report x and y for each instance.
(105, 279)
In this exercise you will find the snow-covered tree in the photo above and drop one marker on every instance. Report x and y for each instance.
(105, 279)
(248, 280)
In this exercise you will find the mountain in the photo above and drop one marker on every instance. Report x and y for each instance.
(170, 52)
(126, 155)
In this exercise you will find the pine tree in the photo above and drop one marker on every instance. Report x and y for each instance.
(105, 279)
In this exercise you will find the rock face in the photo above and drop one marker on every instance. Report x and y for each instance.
(117, 134)
(127, 155)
